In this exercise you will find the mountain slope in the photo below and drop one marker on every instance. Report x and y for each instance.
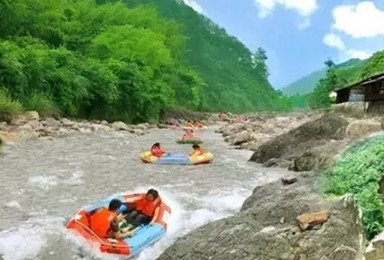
(308, 83)
(226, 65)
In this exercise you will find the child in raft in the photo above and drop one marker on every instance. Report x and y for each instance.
(197, 150)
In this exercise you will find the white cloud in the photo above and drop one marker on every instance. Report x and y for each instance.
(334, 41)
(304, 7)
(358, 54)
(358, 21)
(195, 6)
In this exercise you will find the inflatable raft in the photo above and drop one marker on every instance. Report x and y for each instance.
(129, 246)
(189, 141)
(147, 157)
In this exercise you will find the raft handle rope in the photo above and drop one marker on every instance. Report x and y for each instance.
(98, 238)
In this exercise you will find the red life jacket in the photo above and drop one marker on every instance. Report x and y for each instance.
(156, 151)
(146, 206)
(101, 222)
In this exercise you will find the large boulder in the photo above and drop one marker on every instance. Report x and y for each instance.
(234, 128)
(266, 228)
(363, 128)
(303, 138)
(238, 138)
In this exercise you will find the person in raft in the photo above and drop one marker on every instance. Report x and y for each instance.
(157, 151)
(189, 124)
(197, 150)
(188, 134)
(144, 211)
(104, 222)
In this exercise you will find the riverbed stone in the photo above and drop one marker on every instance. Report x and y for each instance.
(118, 126)
(289, 180)
(67, 122)
(51, 122)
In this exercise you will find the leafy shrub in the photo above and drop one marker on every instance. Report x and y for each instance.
(357, 172)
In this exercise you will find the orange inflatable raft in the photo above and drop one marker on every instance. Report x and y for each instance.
(129, 246)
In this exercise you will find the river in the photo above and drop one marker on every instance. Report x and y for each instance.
(44, 182)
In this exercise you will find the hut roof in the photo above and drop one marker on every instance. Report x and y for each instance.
(366, 81)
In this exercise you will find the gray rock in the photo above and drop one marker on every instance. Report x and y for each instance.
(363, 128)
(245, 236)
(301, 139)
(289, 180)
(275, 162)
(162, 126)
(238, 138)
(139, 132)
(233, 129)
(24, 128)
(51, 122)
(67, 122)
(143, 126)
(3, 125)
(118, 126)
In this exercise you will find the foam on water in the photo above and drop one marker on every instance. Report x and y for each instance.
(44, 182)
(75, 179)
(12, 204)
(28, 238)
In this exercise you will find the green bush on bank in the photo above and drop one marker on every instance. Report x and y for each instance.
(357, 172)
(7, 105)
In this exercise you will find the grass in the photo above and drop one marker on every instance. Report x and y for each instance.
(8, 106)
(357, 172)
(41, 103)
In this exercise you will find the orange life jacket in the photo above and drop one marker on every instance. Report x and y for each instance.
(146, 206)
(101, 222)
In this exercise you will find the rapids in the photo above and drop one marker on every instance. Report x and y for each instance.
(44, 182)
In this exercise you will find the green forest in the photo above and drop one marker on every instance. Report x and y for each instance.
(125, 60)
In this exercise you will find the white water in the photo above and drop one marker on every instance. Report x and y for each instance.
(45, 182)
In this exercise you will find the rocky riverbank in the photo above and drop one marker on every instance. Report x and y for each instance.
(290, 219)
(301, 141)
(30, 125)
(266, 228)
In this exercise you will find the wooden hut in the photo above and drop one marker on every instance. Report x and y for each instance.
(370, 90)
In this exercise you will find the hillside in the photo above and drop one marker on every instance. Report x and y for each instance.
(124, 60)
(306, 84)
(233, 82)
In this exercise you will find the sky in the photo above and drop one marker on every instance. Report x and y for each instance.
(299, 35)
